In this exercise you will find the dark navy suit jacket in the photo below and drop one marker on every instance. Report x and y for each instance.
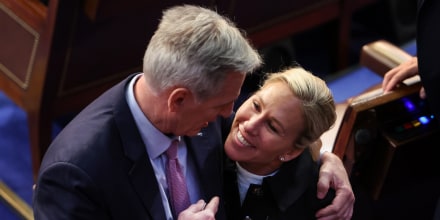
(428, 48)
(98, 167)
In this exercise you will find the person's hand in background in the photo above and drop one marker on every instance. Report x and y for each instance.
(399, 73)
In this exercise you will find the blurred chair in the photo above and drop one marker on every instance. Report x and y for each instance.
(17, 204)
(57, 58)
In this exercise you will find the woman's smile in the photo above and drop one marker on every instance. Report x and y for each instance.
(242, 140)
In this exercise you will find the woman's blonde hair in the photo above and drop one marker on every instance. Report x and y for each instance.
(317, 101)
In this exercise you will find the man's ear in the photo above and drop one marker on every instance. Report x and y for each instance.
(177, 98)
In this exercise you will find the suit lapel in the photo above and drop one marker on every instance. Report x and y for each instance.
(207, 154)
(147, 187)
(140, 171)
(207, 157)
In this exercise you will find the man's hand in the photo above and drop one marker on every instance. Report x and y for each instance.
(201, 210)
(333, 174)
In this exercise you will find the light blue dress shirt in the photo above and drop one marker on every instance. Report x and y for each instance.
(156, 143)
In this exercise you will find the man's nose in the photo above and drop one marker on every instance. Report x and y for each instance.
(227, 110)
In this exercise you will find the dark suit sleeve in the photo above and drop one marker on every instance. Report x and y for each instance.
(428, 47)
(314, 203)
(66, 192)
(318, 204)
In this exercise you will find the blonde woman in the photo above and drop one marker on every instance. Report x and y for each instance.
(274, 176)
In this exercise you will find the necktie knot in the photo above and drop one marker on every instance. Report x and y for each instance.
(172, 150)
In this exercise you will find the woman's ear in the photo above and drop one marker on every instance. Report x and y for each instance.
(292, 154)
(177, 98)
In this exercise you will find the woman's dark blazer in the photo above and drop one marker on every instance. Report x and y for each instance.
(289, 194)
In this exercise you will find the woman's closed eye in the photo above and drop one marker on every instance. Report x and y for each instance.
(257, 106)
(272, 127)
(270, 122)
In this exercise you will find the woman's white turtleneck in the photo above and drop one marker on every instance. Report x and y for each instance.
(245, 178)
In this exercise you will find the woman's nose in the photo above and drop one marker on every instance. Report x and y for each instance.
(251, 125)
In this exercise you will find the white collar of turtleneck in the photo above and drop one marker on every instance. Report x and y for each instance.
(246, 178)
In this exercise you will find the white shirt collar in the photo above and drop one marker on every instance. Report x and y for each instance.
(155, 141)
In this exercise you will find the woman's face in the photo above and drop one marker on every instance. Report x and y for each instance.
(266, 127)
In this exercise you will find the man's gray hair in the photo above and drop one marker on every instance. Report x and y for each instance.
(196, 47)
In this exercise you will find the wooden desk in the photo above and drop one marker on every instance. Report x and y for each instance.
(377, 127)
